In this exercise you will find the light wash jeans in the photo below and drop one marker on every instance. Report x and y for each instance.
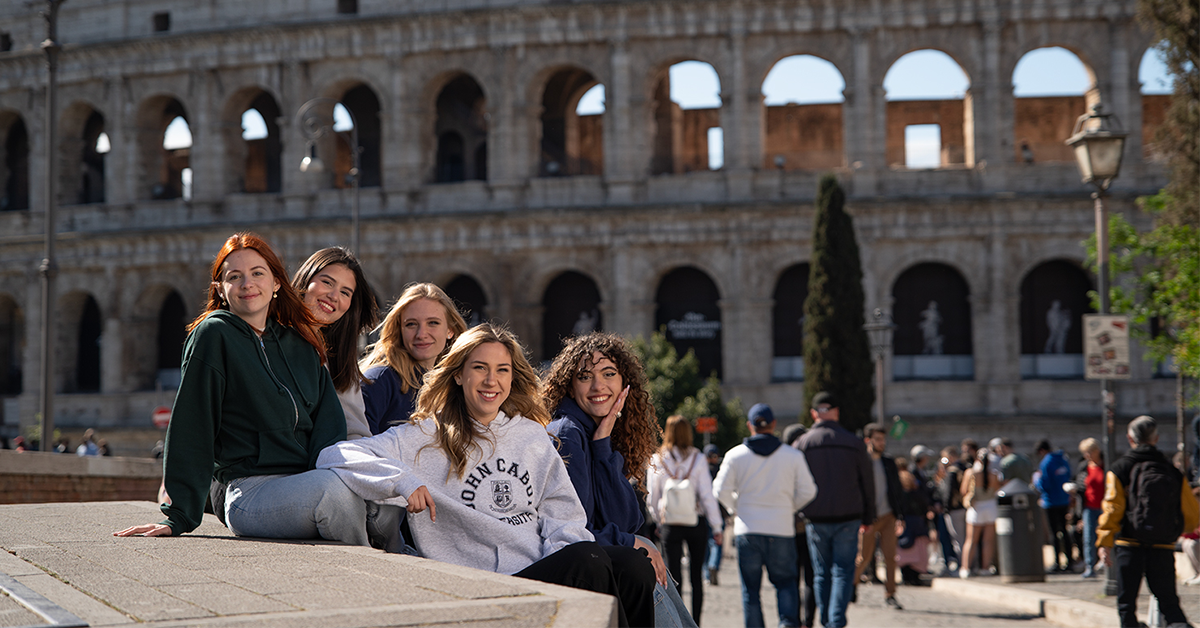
(669, 611)
(313, 504)
(1091, 522)
(833, 548)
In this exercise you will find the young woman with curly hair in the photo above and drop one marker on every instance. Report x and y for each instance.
(476, 450)
(255, 407)
(416, 333)
(333, 286)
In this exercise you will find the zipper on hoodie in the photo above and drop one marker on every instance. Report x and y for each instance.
(295, 409)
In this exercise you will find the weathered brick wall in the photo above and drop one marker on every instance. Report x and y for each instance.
(32, 477)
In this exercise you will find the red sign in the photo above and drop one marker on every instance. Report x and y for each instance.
(161, 417)
(706, 425)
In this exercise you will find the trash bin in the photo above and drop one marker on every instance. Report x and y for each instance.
(1019, 534)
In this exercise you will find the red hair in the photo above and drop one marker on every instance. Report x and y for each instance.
(287, 308)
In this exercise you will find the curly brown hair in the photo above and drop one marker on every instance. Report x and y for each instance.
(636, 435)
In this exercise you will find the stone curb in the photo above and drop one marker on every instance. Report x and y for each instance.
(1060, 610)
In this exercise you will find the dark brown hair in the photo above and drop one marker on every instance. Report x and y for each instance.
(341, 337)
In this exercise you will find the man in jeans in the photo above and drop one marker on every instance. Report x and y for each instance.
(845, 500)
(764, 483)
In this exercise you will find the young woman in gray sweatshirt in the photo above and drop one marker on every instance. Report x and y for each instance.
(477, 457)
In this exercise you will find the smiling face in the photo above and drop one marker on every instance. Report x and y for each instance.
(486, 380)
(596, 385)
(425, 332)
(330, 292)
(248, 285)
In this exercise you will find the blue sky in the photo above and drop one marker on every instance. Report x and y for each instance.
(925, 74)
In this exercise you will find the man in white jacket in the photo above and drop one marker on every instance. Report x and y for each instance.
(764, 484)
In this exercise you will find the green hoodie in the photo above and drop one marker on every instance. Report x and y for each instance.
(245, 407)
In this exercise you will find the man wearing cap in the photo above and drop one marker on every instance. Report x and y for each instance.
(845, 500)
(764, 483)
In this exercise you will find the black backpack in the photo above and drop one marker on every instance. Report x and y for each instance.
(1152, 503)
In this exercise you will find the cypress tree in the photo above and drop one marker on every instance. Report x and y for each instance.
(837, 357)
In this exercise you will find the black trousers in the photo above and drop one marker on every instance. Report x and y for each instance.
(1158, 566)
(804, 566)
(1057, 516)
(696, 538)
(622, 572)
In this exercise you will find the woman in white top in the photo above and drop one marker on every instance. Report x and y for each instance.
(677, 459)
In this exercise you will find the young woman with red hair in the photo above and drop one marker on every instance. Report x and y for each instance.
(254, 408)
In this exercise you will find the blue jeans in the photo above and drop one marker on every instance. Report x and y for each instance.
(833, 547)
(1091, 522)
(778, 555)
(712, 558)
(943, 532)
(309, 505)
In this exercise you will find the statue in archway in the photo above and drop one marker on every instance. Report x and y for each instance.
(1058, 319)
(931, 322)
(586, 323)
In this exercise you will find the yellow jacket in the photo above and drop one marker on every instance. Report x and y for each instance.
(1113, 528)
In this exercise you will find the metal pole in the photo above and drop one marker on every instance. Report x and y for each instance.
(48, 268)
(879, 387)
(1107, 398)
(354, 172)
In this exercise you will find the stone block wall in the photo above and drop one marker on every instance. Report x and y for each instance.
(32, 478)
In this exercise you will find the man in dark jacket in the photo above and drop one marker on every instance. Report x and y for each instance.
(1135, 557)
(888, 511)
(845, 500)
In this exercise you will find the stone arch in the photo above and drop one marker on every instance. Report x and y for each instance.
(687, 303)
(570, 144)
(362, 101)
(159, 313)
(570, 307)
(160, 172)
(931, 308)
(80, 326)
(787, 323)
(252, 165)
(12, 346)
(460, 130)
(14, 162)
(1053, 300)
(1041, 121)
(679, 137)
(953, 118)
(470, 298)
(81, 170)
(803, 134)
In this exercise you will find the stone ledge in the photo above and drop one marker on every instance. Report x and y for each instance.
(39, 463)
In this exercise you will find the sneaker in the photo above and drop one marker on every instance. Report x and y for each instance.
(712, 576)
(891, 601)
(1088, 573)
(964, 573)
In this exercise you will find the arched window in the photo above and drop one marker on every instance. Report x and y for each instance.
(12, 346)
(787, 323)
(571, 143)
(171, 335)
(165, 145)
(932, 314)
(1156, 98)
(260, 138)
(687, 306)
(803, 98)
(687, 120)
(14, 164)
(462, 114)
(570, 307)
(87, 363)
(1053, 301)
(468, 295)
(91, 166)
(926, 117)
(364, 105)
(1051, 90)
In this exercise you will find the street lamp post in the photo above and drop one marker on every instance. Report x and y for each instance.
(1099, 145)
(48, 268)
(879, 330)
(314, 124)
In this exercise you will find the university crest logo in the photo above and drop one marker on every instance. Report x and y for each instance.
(502, 495)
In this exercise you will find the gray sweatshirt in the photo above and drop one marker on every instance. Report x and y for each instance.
(514, 506)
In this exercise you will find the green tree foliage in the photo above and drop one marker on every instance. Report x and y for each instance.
(677, 388)
(837, 357)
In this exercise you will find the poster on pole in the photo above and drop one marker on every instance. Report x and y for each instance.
(1105, 346)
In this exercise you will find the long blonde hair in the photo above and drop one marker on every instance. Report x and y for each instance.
(442, 400)
(390, 350)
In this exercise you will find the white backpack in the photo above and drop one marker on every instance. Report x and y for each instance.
(677, 506)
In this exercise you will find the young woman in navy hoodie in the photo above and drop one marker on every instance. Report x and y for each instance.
(255, 407)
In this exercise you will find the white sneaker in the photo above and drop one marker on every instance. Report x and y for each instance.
(1192, 581)
(964, 573)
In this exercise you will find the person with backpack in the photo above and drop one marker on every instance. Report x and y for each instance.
(1147, 505)
(764, 483)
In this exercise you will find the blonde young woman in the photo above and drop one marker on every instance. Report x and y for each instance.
(678, 459)
(416, 332)
(476, 456)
